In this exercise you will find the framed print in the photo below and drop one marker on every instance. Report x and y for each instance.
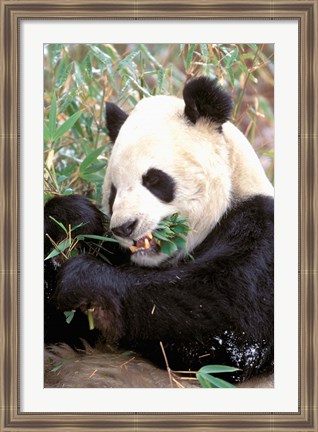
(28, 29)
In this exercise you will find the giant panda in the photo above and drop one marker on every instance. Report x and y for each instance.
(210, 302)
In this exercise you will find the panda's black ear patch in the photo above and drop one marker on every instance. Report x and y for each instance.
(115, 118)
(203, 97)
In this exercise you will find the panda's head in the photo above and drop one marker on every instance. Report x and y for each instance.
(170, 155)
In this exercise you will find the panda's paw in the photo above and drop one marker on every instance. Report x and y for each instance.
(77, 283)
(71, 210)
(81, 285)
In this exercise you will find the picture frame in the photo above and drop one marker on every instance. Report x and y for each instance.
(11, 13)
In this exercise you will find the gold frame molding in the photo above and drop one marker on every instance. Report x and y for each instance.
(11, 13)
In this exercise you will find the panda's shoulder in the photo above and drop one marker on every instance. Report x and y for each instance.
(260, 205)
(251, 216)
(247, 225)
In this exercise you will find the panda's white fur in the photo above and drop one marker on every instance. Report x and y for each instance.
(214, 169)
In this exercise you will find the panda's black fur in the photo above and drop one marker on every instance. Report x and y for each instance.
(115, 119)
(205, 100)
(213, 308)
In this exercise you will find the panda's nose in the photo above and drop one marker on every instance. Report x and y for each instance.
(125, 229)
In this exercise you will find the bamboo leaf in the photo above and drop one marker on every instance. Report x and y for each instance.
(247, 56)
(69, 315)
(95, 237)
(190, 55)
(79, 77)
(66, 100)
(150, 57)
(160, 76)
(61, 248)
(106, 60)
(203, 381)
(63, 74)
(215, 382)
(179, 242)
(91, 157)
(142, 89)
(243, 66)
(95, 167)
(59, 224)
(52, 117)
(231, 75)
(229, 60)
(128, 60)
(68, 191)
(88, 67)
(56, 54)
(181, 229)
(65, 127)
(61, 179)
(168, 248)
(253, 47)
(96, 178)
(217, 369)
(103, 57)
(79, 226)
(46, 132)
(204, 50)
(56, 368)
(159, 235)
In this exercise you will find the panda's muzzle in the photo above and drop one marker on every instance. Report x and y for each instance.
(147, 243)
(126, 229)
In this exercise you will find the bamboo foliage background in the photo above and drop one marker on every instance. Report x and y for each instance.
(79, 78)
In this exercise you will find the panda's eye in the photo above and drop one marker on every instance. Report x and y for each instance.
(151, 179)
(159, 184)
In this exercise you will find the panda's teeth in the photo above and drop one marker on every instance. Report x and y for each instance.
(143, 243)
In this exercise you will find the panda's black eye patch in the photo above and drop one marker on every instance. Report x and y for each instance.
(159, 184)
(111, 199)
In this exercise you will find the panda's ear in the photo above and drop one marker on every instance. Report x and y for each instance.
(115, 118)
(203, 97)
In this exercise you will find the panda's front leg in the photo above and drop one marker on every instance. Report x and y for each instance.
(132, 303)
(86, 283)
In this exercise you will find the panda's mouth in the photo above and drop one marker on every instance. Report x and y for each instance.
(145, 244)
